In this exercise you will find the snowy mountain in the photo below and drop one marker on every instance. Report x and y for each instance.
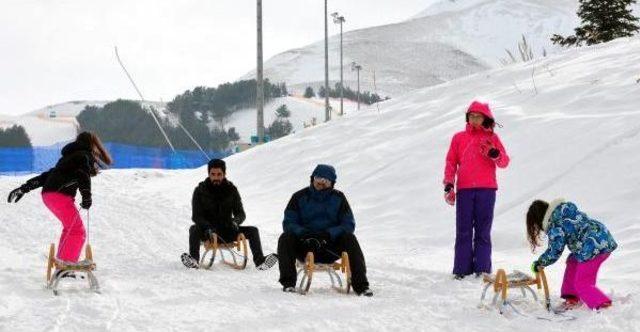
(572, 131)
(448, 40)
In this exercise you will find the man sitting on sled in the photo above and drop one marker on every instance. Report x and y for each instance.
(217, 208)
(318, 218)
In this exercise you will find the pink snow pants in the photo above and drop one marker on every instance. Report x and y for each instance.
(73, 234)
(580, 281)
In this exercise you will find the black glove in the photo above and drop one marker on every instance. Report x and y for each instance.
(235, 225)
(448, 187)
(316, 241)
(208, 233)
(312, 244)
(493, 153)
(16, 194)
(86, 202)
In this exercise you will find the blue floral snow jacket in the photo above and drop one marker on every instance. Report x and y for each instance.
(566, 225)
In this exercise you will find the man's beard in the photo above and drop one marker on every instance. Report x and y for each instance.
(216, 182)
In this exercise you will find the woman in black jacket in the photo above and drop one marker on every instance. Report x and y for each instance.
(80, 161)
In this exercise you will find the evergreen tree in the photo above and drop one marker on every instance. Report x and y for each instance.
(283, 111)
(309, 93)
(281, 126)
(14, 137)
(322, 92)
(602, 21)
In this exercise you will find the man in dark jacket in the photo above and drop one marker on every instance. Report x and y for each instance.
(318, 218)
(217, 208)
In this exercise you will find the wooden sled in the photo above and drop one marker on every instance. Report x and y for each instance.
(238, 250)
(308, 267)
(502, 282)
(86, 266)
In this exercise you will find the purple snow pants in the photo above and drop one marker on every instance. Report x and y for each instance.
(474, 216)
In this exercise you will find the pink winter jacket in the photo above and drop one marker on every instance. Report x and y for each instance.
(467, 159)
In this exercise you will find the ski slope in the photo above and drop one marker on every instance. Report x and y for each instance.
(446, 41)
(575, 134)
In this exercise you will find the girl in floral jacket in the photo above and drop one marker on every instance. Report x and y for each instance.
(588, 240)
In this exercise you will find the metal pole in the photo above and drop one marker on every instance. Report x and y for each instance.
(327, 108)
(358, 70)
(341, 76)
(259, 78)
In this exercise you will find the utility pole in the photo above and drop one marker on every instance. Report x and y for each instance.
(340, 20)
(259, 79)
(327, 108)
(357, 68)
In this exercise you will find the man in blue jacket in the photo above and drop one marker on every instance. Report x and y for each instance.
(318, 218)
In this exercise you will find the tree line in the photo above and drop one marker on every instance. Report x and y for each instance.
(203, 112)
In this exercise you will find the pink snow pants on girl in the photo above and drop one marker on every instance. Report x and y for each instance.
(580, 281)
(73, 234)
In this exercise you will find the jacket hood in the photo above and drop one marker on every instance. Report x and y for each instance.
(325, 171)
(482, 108)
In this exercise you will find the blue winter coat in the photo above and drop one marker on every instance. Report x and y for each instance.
(585, 237)
(312, 211)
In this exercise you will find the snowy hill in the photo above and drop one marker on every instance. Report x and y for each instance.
(57, 123)
(449, 40)
(575, 134)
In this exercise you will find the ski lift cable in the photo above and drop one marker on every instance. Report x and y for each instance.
(143, 100)
(154, 116)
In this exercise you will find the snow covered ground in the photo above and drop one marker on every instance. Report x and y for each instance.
(575, 133)
(302, 110)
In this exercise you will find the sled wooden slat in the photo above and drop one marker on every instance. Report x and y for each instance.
(501, 284)
(309, 267)
(214, 246)
(53, 263)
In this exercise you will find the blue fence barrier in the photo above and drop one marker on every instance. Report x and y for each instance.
(38, 159)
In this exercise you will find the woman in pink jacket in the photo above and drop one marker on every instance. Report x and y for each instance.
(470, 166)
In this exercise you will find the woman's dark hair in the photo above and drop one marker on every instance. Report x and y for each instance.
(536, 213)
(92, 143)
(487, 123)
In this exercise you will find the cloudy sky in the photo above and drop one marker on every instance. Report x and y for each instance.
(62, 50)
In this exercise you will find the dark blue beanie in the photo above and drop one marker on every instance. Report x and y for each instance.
(325, 171)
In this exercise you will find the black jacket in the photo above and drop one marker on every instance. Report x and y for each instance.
(216, 206)
(72, 172)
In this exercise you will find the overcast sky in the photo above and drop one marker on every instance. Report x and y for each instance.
(62, 50)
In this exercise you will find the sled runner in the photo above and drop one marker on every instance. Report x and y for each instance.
(308, 267)
(502, 282)
(57, 270)
(236, 249)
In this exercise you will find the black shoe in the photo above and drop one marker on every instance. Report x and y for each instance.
(289, 289)
(189, 261)
(268, 262)
(458, 276)
(365, 292)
